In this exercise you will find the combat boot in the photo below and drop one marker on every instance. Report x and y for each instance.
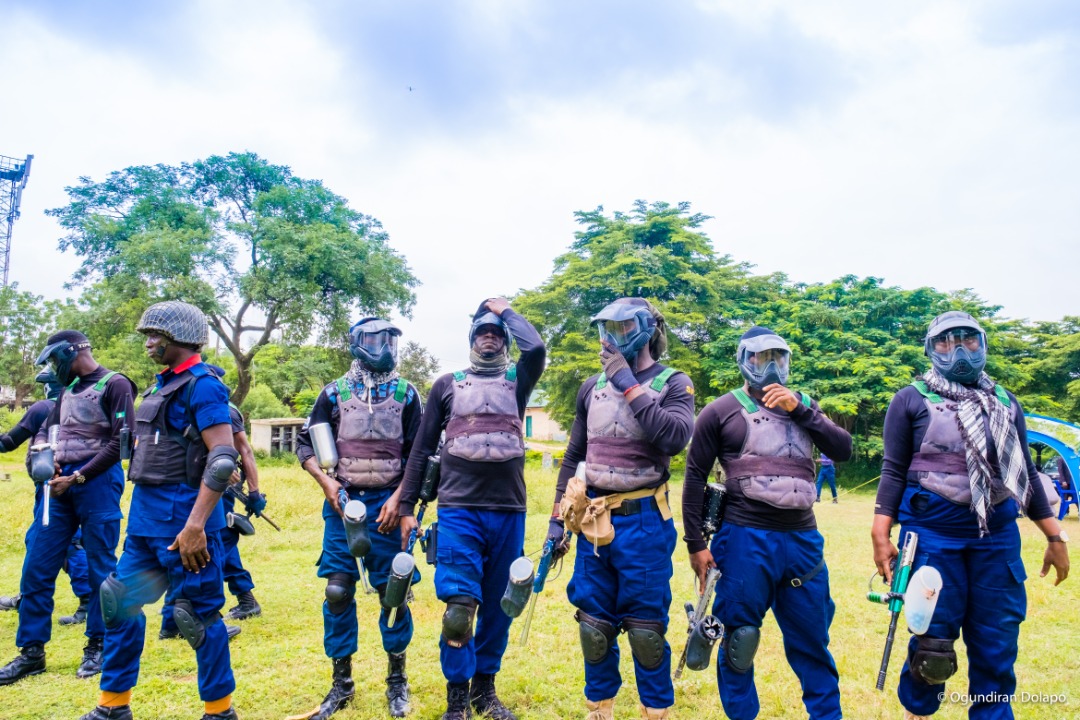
(484, 700)
(457, 702)
(79, 616)
(29, 661)
(229, 714)
(232, 631)
(602, 710)
(654, 713)
(120, 712)
(10, 602)
(246, 607)
(91, 659)
(397, 686)
(341, 692)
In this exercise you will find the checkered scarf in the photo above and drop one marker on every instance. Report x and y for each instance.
(367, 384)
(975, 403)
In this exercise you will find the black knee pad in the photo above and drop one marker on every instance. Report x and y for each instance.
(740, 645)
(340, 591)
(111, 594)
(190, 625)
(596, 636)
(933, 661)
(646, 641)
(457, 621)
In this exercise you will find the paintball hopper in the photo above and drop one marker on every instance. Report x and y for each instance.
(322, 442)
(519, 588)
(41, 462)
(398, 584)
(239, 523)
(356, 529)
(921, 598)
(702, 638)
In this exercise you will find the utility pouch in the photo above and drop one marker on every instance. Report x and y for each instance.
(573, 504)
(431, 544)
(596, 522)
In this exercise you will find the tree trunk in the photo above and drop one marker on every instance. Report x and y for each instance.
(243, 380)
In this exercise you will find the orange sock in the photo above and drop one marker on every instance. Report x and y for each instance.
(114, 699)
(218, 706)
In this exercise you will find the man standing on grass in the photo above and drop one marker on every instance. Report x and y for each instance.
(768, 549)
(183, 460)
(481, 528)
(93, 409)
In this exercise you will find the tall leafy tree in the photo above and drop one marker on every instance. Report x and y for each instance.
(26, 321)
(419, 366)
(257, 248)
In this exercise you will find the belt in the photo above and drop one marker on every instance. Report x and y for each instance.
(633, 507)
(800, 581)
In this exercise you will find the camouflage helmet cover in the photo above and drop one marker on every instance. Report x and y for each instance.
(179, 321)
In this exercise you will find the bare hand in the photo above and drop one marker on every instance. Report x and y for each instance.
(884, 554)
(778, 395)
(191, 542)
(701, 562)
(388, 516)
(332, 488)
(60, 485)
(408, 523)
(1057, 554)
(497, 305)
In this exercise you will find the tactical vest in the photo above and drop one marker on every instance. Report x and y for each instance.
(775, 465)
(941, 462)
(484, 422)
(369, 440)
(162, 455)
(84, 427)
(618, 457)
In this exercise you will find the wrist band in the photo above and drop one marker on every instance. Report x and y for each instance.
(632, 387)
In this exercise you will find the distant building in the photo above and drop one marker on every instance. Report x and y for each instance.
(538, 424)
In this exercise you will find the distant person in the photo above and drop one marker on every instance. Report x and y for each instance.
(1065, 478)
(957, 471)
(827, 472)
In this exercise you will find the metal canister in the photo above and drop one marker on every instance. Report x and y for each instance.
(356, 529)
(324, 445)
(399, 580)
(519, 587)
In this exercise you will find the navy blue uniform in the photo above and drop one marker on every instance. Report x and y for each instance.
(147, 568)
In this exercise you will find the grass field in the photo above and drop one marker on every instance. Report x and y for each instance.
(280, 666)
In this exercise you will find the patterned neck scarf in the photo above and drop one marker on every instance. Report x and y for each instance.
(975, 404)
(367, 384)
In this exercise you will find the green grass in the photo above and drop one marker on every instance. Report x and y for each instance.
(280, 666)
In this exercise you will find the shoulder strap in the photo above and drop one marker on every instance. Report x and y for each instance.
(402, 389)
(745, 400)
(925, 392)
(343, 389)
(660, 380)
(100, 384)
(601, 381)
(806, 399)
(459, 375)
(1002, 395)
(511, 373)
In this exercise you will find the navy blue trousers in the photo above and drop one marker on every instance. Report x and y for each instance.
(475, 550)
(341, 631)
(827, 473)
(631, 577)
(983, 598)
(757, 568)
(147, 569)
(94, 506)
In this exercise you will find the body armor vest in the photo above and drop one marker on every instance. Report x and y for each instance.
(84, 427)
(162, 455)
(369, 440)
(775, 465)
(618, 457)
(485, 425)
(941, 462)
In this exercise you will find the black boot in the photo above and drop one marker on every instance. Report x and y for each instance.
(232, 631)
(341, 692)
(91, 658)
(397, 686)
(120, 712)
(229, 714)
(484, 700)
(29, 661)
(10, 602)
(246, 607)
(457, 702)
(79, 616)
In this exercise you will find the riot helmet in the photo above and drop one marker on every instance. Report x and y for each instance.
(60, 352)
(956, 346)
(52, 384)
(374, 342)
(764, 358)
(482, 320)
(627, 325)
(180, 322)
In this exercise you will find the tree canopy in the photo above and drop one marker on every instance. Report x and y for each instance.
(26, 321)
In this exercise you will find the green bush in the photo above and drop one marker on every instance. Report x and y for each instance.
(9, 418)
(304, 401)
(261, 402)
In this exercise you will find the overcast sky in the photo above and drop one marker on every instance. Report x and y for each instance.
(929, 143)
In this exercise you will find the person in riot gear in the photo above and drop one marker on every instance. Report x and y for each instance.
(27, 429)
(957, 471)
(182, 462)
(92, 409)
(631, 419)
(374, 415)
(768, 549)
(481, 528)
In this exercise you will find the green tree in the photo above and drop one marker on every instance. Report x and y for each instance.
(26, 321)
(258, 249)
(289, 369)
(419, 366)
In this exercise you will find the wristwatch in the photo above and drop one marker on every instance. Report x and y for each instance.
(78, 478)
(1061, 537)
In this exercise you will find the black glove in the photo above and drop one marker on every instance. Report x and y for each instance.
(557, 532)
(618, 372)
(258, 502)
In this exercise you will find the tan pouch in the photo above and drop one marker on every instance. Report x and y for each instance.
(596, 524)
(573, 504)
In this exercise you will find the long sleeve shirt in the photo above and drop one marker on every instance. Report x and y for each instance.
(28, 425)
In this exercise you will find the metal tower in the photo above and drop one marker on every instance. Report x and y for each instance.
(13, 176)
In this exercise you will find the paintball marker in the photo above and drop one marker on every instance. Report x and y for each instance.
(917, 594)
(704, 629)
(249, 505)
(43, 469)
(547, 555)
